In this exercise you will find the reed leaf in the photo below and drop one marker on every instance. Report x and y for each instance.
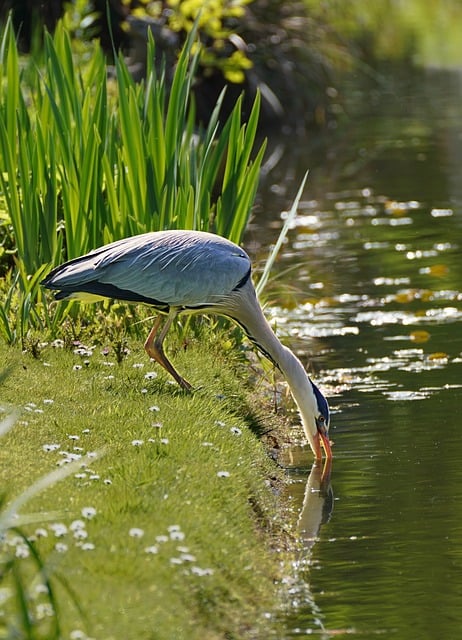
(80, 166)
(282, 236)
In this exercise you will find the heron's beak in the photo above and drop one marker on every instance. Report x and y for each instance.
(322, 437)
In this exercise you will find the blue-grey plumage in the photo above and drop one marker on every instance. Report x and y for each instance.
(165, 268)
(191, 272)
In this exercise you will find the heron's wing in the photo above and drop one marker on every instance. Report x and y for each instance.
(174, 268)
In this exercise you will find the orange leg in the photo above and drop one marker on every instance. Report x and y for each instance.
(154, 348)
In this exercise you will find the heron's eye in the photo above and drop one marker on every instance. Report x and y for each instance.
(321, 419)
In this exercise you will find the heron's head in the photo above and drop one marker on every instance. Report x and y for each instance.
(322, 418)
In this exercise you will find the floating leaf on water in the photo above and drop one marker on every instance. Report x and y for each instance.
(405, 296)
(437, 270)
(419, 336)
(439, 355)
(400, 208)
(395, 208)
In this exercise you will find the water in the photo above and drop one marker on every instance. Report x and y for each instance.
(370, 292)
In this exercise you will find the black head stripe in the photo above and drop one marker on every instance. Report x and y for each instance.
(322, 403)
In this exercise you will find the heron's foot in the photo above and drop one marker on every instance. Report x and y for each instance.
(157, 354)
(184, 384)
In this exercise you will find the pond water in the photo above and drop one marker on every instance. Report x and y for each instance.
(369, 291)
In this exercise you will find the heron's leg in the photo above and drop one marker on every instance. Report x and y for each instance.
(154, 348)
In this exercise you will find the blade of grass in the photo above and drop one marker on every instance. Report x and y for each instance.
(277, 247)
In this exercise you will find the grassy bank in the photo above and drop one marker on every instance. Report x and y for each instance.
(169, 532)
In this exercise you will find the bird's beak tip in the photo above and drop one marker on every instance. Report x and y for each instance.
(322, 438)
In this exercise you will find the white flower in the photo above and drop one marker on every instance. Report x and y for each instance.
(223, 474)
(88, 512)
(83, 351)
(76, 525)
(236, 431)
(87, 546)
(59, 529)
(48, 401)
(42, 588)
(137, 443)
(177, 535)
(80, 534)
(50, 447)
(154, 408)
(22, 551)
(152, 549)
(135, 532)
(150, 375)
(60, 547)
(201, 572)
(164, 440)
(188, 557)
(70, 457)
(44, 610)
(161, 539)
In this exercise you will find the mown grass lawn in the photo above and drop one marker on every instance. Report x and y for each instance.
(170, 531)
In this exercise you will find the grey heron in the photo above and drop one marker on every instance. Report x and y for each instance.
(191, 272)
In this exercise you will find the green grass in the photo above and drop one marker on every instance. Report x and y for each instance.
(227, 524)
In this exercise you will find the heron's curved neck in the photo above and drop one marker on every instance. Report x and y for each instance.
(250, 316)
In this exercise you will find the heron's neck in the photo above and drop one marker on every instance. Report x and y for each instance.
(252, 319)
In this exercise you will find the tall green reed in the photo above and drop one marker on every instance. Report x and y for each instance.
(84, 161)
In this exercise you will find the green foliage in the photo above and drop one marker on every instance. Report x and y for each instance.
(425, 32)
(84, 162)
(216, 22)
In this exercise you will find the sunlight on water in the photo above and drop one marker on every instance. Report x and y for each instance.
(373, 300)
